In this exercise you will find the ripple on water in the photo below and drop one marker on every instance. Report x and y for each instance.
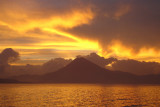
(69, 95)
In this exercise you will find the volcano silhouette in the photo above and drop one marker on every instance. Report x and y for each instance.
(81, 70)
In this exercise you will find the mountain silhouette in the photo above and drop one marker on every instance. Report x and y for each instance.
(8, 81)
(81, 70)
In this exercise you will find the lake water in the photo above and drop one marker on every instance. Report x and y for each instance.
(77, 95)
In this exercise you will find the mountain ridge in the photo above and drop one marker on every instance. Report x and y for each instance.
(81, 70)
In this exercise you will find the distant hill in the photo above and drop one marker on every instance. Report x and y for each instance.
(27, 78)
(8, 81)
(81, 70)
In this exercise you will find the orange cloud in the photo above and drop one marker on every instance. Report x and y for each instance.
(68, 20)
(81, 25)
(23, 21)
(117, 49)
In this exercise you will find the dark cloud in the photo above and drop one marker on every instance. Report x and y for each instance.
(135, 23)
(101, 61)
(137, 67)
(55, 64)
(7, 56)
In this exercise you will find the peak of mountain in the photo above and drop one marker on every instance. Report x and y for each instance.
(81, 70)
(80, 62)
(80, 65)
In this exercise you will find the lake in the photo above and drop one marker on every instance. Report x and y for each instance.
(78, 95)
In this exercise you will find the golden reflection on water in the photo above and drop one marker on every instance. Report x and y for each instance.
(77, 95)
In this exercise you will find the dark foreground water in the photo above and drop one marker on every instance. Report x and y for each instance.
(77, 95)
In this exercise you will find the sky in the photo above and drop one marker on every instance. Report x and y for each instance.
(44, 29)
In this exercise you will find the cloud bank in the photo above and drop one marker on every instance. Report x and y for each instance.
(112, 28)
(128, 28)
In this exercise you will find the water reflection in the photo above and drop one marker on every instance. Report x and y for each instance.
(69, 95)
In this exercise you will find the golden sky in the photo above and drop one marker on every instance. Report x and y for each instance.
(43, 29)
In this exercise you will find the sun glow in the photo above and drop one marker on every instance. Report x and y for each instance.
(19, 24)
(24, 22)
(50, 36)
(117, 49)
(78, 44)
